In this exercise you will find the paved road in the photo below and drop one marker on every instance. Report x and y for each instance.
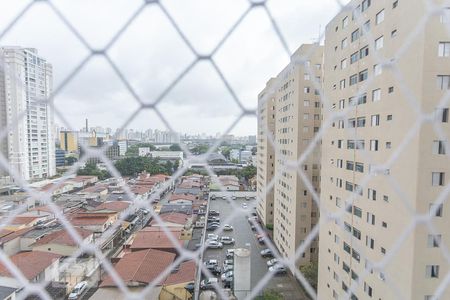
(244, 237)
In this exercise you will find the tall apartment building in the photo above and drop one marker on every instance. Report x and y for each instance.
(25, 85)
(289, 110)
(378, 202)
(69, 141)
(265, 153)
(297, 121)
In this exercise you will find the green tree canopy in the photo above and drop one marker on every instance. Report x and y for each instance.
(91, 169)
(133, 150)
(175, 147)
(310, 271)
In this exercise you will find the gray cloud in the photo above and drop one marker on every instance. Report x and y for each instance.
(151, 54)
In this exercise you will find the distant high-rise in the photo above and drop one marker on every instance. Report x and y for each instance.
(25, 86)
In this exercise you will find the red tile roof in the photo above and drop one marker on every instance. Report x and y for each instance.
(94, 220)
(186, 273)
(23, 220)
(62, 237)
(117, 206)
(30, 263)
(155, 239)
(173, 217)
(175, 197)
(14, 234)
(141, 266)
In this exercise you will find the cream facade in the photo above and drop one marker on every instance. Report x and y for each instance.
(297, 121)
(265, 154)
(378, 192)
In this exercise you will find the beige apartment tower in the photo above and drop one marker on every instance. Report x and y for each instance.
(265, 153)
(380, 171)
(290, 108)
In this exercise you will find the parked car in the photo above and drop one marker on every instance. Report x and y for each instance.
(207, 284)
(227, 268)
(213, 219)
(266, 253)
(212, 227)
(78, 290)
(211, 262)
(230, 253)
(262, 240)
(213, 197)
(212, 237)
(227, 227)
(214, 213)
(227, 275)
(244, 205)
(278, 269)
(226, 240)
(272, 262)
(214, 245)
(215, 270)
(228, 262)
(247, 197)
(224, 197)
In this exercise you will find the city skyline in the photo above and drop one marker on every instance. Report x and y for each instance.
(196, 99)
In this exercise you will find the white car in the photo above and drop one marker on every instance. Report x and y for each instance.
(227, 227)
(78, 290)
(214, 245)
(211, 262)
(278, 269)
(227, 275)
(226, 240)
(272, 262)
(212, 237)
(244, 205)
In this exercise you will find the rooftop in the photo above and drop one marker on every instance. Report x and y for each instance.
(186, 273)
(155, 239)
(30, 263)
(62, 237)
(141, 267)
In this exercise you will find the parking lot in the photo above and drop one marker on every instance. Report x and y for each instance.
(245, 238)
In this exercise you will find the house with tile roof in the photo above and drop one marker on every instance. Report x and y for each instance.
(61, 242)
(173, 287)
(136, 270)
(36, 266)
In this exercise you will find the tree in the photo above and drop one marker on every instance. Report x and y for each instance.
(310, 271)
(248, 172)
(133, 150)
(200, 149)
(131, 166)
(175, 147)
(254, 149)
(70, 160)
(91, 169)
(226, 152)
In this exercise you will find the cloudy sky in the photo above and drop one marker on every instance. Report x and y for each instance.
(150, 54)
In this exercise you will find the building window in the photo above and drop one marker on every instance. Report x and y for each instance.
(439, 147)
(370, 218)
(344, 43)
(355, 35)
(438, 178)
(342, 84)
(343, 64)
(361, 122)
(373, 145)
(307, 76)
(359, 167)
(436, 210)
(372, 194)
(306, 103)
(376, 95)
(434, 240)
(354, 57)
(365, 28)
(375, 120)
(367, 289)
(432, 271)
(395, 4)
(353, 79)
(364, 52)
(357, 211)
(342, 104)
(389, 118)
(347, 248)
(345, 22)
(379, 43)
(444, 49)
(377, 70)
(363, 75)
(443, 82)
(380, 17)
(391, 90)
(370, 242)
(365, 5)
(442, 115)
(306, 90)
(445, 15)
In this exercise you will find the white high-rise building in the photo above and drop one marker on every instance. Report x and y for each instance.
(25, 86)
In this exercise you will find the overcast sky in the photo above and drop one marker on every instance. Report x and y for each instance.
(150, 54)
